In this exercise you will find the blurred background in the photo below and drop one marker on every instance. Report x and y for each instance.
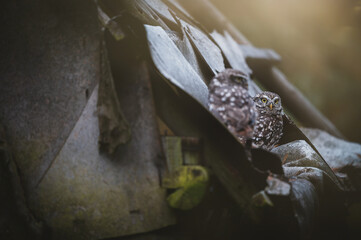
(320, 43)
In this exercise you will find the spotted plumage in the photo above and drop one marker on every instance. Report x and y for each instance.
(231, 103)
(269, 123)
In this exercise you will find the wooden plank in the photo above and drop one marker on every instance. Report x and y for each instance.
(232, 51)
(259, 56)
(171, 63)
(172, 147)
(209, 51)
(192, 151)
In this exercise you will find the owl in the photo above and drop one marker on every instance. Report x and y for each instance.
(230, 102)
(269, 123)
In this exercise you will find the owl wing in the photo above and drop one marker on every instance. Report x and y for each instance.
(234, 107)
(277, 133)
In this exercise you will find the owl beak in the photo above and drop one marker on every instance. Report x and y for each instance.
(270, 106)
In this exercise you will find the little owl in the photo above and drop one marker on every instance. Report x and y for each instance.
(269, 123)
(231, 103)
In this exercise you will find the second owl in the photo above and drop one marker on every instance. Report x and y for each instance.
(258, 119)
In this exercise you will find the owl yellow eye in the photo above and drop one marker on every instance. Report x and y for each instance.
(276, 101)
(264, 100)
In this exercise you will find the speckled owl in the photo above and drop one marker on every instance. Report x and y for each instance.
(269, 123)
(231, 103)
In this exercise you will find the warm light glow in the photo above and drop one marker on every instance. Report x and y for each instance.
(320, 42)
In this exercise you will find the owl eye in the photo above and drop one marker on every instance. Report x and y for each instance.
(264, 100)
(276, 101)
(237, 78)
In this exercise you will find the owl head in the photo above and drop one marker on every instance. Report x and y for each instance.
(232, 77)
(268, 102)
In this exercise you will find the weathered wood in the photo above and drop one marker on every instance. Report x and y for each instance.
(192, 151)
(211, 18)
(231, 168)
(189, 179)
(172, 148)
(156, 14)
(235, 58)
(109, 197)
(185, 46)
(232, 51)
(222, 151)
(16, 219)
(110, 24)
(48, 105)
(259, 56)
(208, 50)
(50, 65)
(181, 151)
(171, 63)
(114, 129)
